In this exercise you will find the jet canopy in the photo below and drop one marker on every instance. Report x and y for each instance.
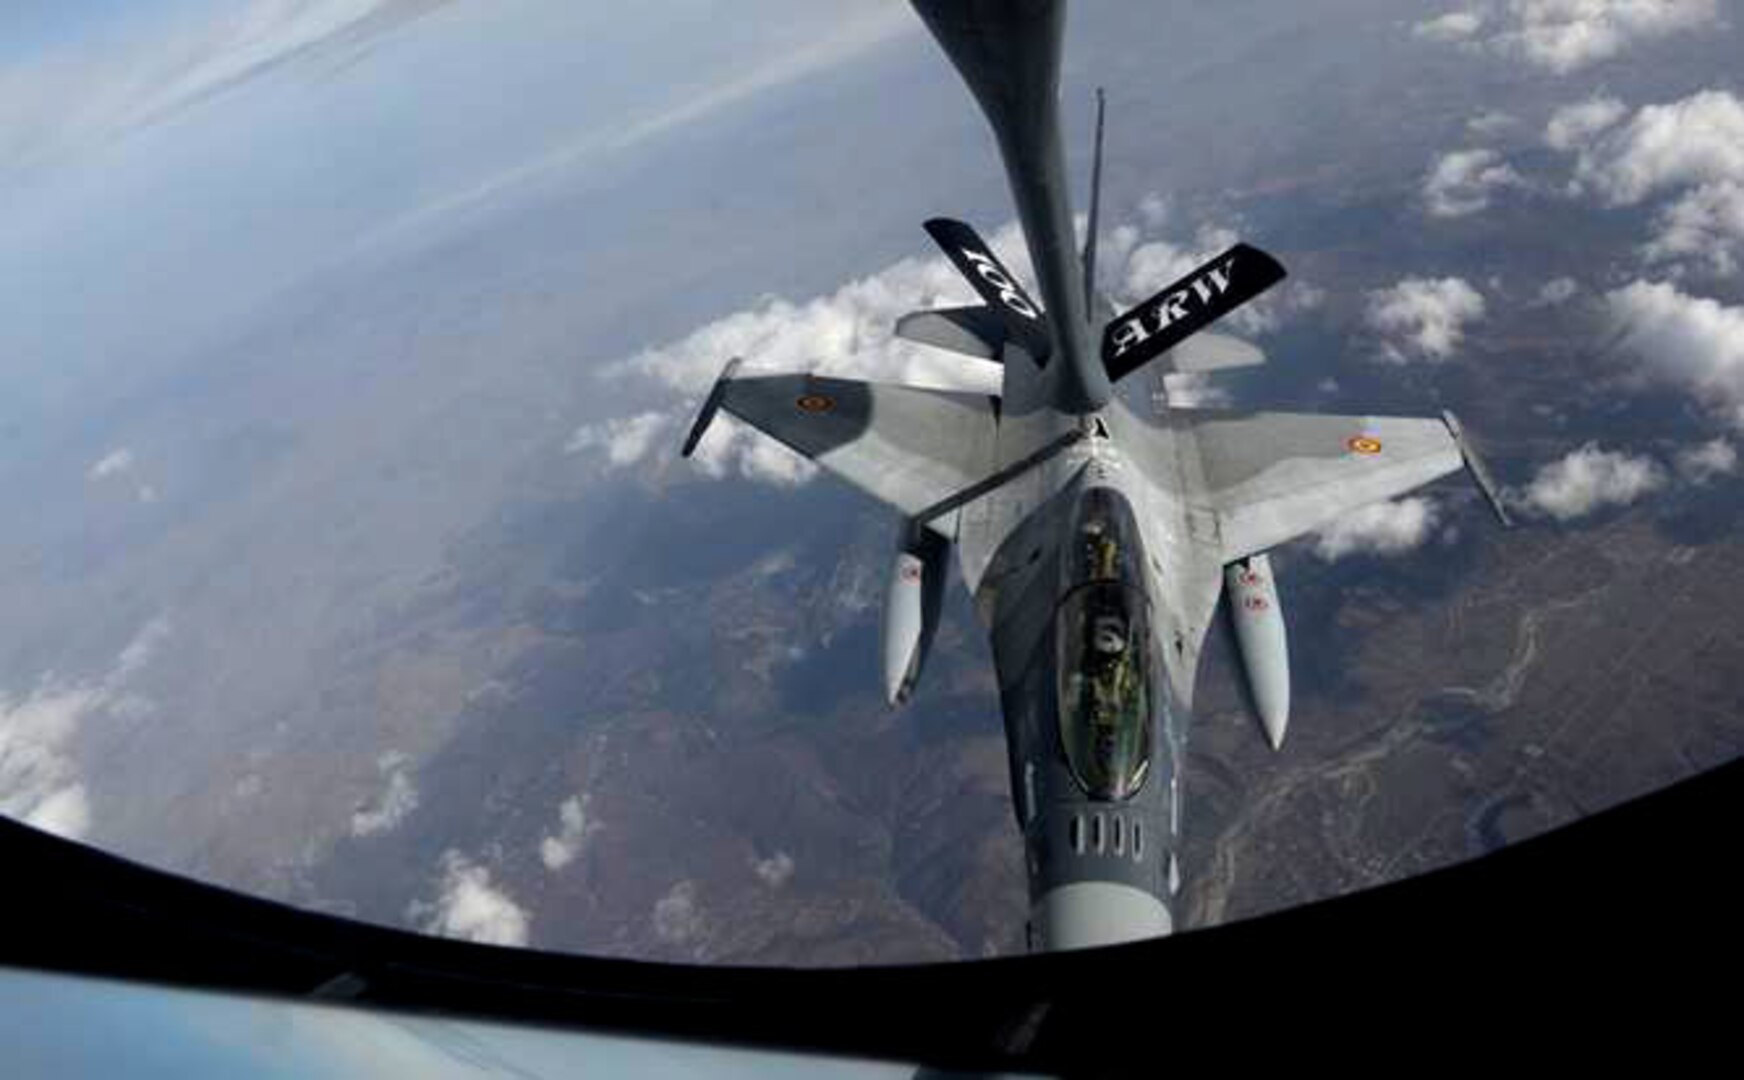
(1106, 663)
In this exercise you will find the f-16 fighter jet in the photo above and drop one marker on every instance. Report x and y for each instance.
(1094, 527)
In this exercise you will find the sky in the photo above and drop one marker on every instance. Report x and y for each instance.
(143, 208)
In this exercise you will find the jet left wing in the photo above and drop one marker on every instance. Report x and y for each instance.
(909, 447)
(1270, 477)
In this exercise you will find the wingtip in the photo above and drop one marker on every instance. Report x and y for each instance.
(711, 405)
(1479, 472)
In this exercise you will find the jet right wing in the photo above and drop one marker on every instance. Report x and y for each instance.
(909, 447)
(1272, 476)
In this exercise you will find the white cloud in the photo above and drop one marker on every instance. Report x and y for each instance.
(1706, 462)
(775, 870)
(1589, 479)
(1573, 126)
(573, 828)
(1153, 210)
(1490, 124)
(39, 777)
(1557, 291)
(625, 440)
(1383, 528)
(1454, 26)
(139, 651)
(1152, 264)
(1707, 222)
(469, 907)
(1462, 182)
(397, 799)
(1195, 390)
(848, 333)
(1695, 140)
(1423, 318)
(1690, 150)
(676, 917)
(39, 773)
(115, 463)
(1565, 35)
(1692, 342)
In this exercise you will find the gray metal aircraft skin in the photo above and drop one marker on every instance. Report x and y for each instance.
(1094, 525)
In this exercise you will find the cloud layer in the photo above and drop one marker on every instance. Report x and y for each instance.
(40, 782)
(1707, 462)
(1562, 36)
(1689, 151)
(397, 799)
(1689, 341)
(1423, 318)
(676, 917)
(1557, 291)
(775, 870)
(573, 829)
(468, 906)
(1384, 528)
(115, 463)
(1589, 479)
(1462, 182)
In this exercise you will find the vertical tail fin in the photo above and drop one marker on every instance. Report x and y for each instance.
(1095, 210)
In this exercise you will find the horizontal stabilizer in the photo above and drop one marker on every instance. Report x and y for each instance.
(1186, 307)
(1020, 316)
(974, 330)
(1212, 352)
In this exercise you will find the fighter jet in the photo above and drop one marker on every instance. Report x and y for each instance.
(1095, 526)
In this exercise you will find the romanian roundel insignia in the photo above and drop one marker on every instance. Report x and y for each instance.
(815, 403)
(1255, 603)
(1363, 444)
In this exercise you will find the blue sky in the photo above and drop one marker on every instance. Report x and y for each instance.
(27, 26)
(191, 161)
